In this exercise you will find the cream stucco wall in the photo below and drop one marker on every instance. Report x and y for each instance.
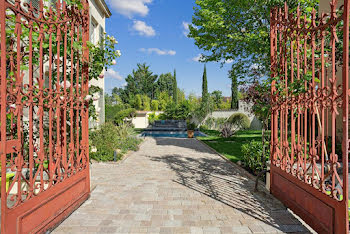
(98, 17)
(141, 119)
(325, 7)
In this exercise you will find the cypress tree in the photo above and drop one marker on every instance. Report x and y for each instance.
(234, 89)
(175, 88)
(205, 93)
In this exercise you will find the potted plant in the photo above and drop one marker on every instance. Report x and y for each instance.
(190, 129)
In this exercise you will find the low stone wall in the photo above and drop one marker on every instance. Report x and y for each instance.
(243, 108)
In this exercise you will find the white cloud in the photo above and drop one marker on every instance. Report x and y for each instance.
(158, 51)
(130, 8)
(111, 74)
(143, 29)
(186, 28)
(198, 58)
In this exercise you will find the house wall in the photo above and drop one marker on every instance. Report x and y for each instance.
(97, 23)
(325, 7)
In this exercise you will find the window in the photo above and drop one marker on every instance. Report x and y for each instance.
(102, 34)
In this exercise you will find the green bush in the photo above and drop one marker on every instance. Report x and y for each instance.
(124, 131)
(215, 123)
(155, 105)
(177, 112)
(252, 156)
(112, 110)
(227, 130)
(108, 138)
(240, 121)
(152, 117)
(121, 115)
(191, 126)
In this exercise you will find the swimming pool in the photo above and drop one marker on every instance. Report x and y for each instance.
(175, 134)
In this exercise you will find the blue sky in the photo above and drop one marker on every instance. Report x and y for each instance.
(154, 31)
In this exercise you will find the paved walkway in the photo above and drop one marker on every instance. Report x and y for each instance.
(176, 186)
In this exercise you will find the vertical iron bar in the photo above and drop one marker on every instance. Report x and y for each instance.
(345, 81)
(3, 112)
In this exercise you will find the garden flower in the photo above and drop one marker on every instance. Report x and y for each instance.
(114, 62)
(118, 53)
(67, 84)
(95, 97)
(13, 106)
(101, 76)
(88, 97)
(93, 149)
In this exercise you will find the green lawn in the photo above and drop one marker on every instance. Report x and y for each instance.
(230, 147)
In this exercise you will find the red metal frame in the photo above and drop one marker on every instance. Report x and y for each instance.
(309, 100)
(44, 114)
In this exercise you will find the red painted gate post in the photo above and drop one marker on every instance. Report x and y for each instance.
(346, 93)
(3, 112)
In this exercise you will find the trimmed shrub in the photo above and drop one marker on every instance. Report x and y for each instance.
(239, 121)
(252, 156)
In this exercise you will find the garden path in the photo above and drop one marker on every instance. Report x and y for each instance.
(176, 186)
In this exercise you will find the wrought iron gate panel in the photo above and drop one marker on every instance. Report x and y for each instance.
(44, 115)
(309, 169)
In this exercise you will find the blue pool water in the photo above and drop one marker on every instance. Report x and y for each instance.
(176, 134)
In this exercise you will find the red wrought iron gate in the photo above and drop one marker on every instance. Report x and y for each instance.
(310, 114)
(43, 112)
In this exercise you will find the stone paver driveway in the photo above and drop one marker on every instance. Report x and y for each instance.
(176, 186)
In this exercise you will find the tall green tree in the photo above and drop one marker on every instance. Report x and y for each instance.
(165, 83)
(141, 81)
(217, 97)
(234, 75)
(205, 94)
(238, 29)
(175, 96)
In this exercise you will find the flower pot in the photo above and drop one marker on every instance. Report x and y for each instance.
(190, 133)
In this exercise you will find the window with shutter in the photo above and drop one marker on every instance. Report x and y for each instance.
(102, 34)
(93, 32)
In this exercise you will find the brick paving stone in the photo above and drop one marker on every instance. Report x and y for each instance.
(176, 186)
